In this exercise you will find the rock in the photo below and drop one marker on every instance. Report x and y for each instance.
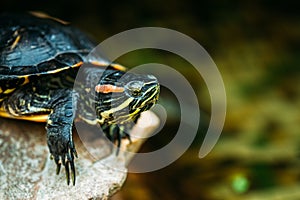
(26, 171)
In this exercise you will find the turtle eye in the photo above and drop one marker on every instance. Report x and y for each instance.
(134, 88)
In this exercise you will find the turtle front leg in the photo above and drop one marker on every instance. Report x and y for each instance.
(61, 103)
(59, 132)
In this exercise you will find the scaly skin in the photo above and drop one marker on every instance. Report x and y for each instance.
(39, 61)
(54, 95)
(61, 104)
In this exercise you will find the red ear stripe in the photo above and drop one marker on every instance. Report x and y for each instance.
(108, 88)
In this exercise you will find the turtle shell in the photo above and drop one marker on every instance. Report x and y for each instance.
(30, 45)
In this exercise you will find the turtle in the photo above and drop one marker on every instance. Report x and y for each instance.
(40, 62)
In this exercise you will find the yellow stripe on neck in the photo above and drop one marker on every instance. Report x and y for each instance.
(106, 113)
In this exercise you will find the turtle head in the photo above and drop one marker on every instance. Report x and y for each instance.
(122, 96)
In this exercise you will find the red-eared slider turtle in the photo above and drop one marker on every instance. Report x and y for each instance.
(39, 61)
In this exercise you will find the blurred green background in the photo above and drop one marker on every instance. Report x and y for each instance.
(256, 46)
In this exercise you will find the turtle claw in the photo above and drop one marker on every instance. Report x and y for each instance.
(118, 140)
(67, 160)
(67, 173)
(69, 163)
(58, 168)
(57, 161)
(73, 175)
